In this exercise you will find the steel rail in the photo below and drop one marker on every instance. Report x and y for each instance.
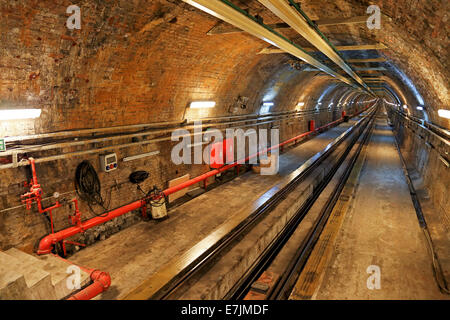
(244, 226)
(271, 252)
(440, 133)
(284, 285)
(438, 273)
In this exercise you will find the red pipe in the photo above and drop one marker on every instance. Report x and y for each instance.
(46, 243)
(211, 173)
(100, 282)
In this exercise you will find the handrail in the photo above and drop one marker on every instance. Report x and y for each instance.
(440, 133)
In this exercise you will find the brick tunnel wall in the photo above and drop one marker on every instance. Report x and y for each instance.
(22, 228)
(132, 62)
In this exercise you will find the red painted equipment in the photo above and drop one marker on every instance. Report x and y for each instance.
(221, 152)
(35, 195)
(312, 125)
(100, 282)
(46, 243)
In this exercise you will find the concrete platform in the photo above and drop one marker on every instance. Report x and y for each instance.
(26, 277)
(135, 253)
(381, 230)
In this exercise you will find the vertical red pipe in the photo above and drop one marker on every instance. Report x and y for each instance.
(312, 125)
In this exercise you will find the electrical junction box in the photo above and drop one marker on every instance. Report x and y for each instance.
(2, 145)
(108, 162)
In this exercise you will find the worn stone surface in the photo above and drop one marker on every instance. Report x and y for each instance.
(381, 230)
(424, 156)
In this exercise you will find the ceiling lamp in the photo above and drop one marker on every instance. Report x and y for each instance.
(202, 104)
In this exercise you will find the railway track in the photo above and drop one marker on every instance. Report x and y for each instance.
(292, 270)
(168, 285)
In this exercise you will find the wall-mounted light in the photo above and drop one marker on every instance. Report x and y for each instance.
(19, 114)
(420, 108)
(299, 106)
(266, 107)
(140, 156)
(405, 106)
(444, 113)
(202, 104)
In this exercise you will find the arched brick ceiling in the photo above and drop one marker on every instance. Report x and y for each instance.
(144, 61)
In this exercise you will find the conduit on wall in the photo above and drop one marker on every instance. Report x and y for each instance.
(46, 244)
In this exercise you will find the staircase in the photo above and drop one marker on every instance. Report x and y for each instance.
(26, 277)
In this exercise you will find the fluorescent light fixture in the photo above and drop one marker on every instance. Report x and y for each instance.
(444, 113)
(202, 104)
(266, 107)
(18, 114)
(140, 156)
(420, 108)
(301, 104)
(405, 106)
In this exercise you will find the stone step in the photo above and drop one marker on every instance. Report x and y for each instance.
(56, 267)
(38, 281)
(12, 283)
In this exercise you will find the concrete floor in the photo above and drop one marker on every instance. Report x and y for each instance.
(137, 252)
(381, 230)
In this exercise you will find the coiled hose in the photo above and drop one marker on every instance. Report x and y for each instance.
(88, 187)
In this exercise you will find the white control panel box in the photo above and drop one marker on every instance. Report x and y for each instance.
(108, 162)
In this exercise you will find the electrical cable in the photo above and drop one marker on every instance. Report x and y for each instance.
(88, 187)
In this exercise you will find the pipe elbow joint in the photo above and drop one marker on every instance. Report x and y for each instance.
(46, 245)
(101, 277)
